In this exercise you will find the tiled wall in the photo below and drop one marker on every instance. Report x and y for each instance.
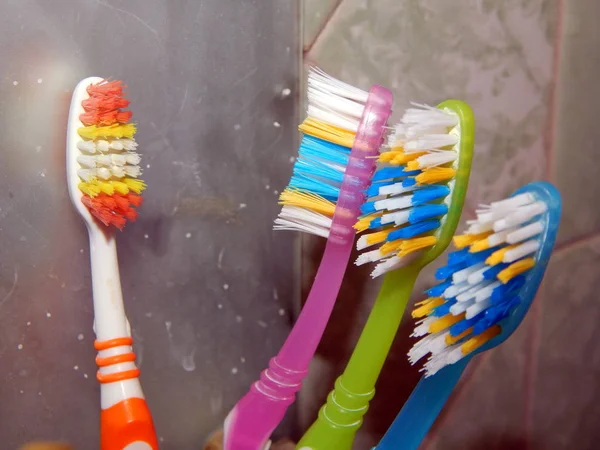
(530, 70)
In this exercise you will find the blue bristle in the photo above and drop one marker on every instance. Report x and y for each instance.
(438, 289)
(408, 182)
(504, 291)
(375, 223)
(495, 314)
(367, 208)
(446, 271)
(458, 256)
(393, 172)
(493, 271)
(373, 190)
(315, 186)
(317, 169)
(479, 257)
(413, 230)
(311, 146)
(443, 309)
(425, 212)
(463, 325)
(429, 193)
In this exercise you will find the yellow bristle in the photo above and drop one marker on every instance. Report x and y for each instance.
(120, 187)
(134, 184)
(378, 237)
(478, 246)
(113, 131)
(445, 322)
(515, 269)
(424, 302)
(427, 308)
(364, 222)
(89, 188)
(387, 157)
(463, 240)
(498, 255)
(411, 245)
(477, 341)
(413, 165)
(327, 132)
(104, 186)
(303, 199)
(390, 247)
(404, 158)
(451, 340)
(435, 175)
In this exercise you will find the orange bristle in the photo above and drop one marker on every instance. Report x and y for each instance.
(106, 88)
(104, 103)
(135, 200)
(105, 118)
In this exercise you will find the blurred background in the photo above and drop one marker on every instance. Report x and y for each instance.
(217, 91)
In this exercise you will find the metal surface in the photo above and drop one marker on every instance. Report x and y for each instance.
(207, 285)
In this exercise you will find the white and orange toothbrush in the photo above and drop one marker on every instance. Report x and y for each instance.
(102, 171)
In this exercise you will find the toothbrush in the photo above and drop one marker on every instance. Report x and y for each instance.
(418, 197)
(491, 282)
(342, 136)
(102, 171)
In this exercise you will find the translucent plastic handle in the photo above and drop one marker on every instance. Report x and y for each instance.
(421, 409)
(258, 413)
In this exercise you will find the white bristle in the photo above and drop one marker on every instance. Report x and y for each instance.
(301, 219)
(423, 326)
(394, 203)
(524, 233)
(451, 355)
(132, 171)
(362, 243)
(393, 263)
(323, 81)
(469, 294)
(399, 218)
(513, 202)
(520, 216)
(455, 289)
(437, 158)
(460, 307)
(477, 307)
(396, 189)
(485, 292)
(86, 147)
(369, 257)
(527, 248)
(477, 276)
(462, 275)
(86, 175)
(86, 161)
(431, 141)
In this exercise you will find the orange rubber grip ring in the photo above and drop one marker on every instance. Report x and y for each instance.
(117, 376)
(111, 343)
(127, 422)
(116, 359)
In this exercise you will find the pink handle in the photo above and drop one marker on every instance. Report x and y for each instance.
(256, 415)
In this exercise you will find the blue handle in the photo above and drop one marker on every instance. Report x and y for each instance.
(429, 397)
(421, 409)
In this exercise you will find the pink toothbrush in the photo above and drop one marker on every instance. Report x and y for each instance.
(343, 133)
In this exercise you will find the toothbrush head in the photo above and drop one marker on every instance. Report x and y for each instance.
(418, 192)
(343, 132)
(490, 281)
(102, 165)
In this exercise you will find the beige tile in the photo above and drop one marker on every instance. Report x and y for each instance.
(496, 55)
(315, 15)
(574, 166)
(566, 393)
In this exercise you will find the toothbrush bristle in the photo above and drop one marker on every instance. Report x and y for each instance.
(334, 112)
(407, 197)
(109, 165)
(481, 282)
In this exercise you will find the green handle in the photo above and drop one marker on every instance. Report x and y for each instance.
(341, 417)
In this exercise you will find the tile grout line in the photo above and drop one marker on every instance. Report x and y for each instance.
(552, 130)
(577, 241)
(309, 47)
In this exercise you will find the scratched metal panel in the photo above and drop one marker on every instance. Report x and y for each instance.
(207, 285)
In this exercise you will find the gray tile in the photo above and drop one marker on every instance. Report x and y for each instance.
(315, 16)
(567, 391)
(574, 165)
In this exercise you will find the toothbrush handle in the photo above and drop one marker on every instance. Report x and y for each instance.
(125, 417)
(421, 409)
(341, 416)
(126, 423)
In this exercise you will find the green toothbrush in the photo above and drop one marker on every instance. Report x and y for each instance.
(426, 178)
